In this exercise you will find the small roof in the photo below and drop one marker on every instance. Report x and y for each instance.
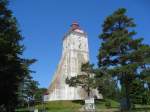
(76, 27)
(75, 23)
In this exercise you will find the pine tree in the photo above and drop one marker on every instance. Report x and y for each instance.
(86, 79)
(123, 55)
(13, 68)
(27, 90)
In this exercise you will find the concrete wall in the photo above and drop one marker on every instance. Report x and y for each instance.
(74, 53)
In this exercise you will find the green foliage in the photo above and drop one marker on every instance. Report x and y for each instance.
(27, 90)
(109, 90)
(13, 68)
(145, 75)
(86, 79)
(38, 96)
(30, 93)
(123, 56)
(139, 94)
(106, 84)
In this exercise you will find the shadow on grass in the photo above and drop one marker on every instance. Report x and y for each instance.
(147, 109)
(81, 102)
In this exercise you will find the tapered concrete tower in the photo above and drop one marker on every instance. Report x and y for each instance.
(75, 52)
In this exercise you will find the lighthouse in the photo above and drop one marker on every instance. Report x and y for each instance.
(75, 52)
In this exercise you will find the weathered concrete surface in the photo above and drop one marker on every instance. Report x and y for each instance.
(75, 52)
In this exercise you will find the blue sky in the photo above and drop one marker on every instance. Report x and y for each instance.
(43, 24)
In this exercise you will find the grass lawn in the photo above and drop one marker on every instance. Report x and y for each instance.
(74, 106)
(63, 106)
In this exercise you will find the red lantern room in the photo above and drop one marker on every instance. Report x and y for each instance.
(75, 26)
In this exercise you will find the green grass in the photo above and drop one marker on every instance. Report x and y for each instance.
(63, 106)
(74, 106)
(101, 104)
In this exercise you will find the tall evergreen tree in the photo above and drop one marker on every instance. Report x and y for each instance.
(13, 68)
(123, 56)
(27, 90)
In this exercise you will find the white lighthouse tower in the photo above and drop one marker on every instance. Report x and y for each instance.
(74, 53)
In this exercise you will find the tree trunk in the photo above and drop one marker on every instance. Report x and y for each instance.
(125, 100)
